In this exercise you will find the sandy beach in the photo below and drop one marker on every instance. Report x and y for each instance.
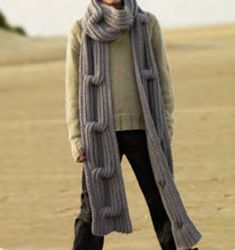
(40, 184)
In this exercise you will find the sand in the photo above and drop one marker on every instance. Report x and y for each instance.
(40, 184)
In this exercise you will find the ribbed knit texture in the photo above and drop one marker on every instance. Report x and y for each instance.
(104, 179)
(127, 110)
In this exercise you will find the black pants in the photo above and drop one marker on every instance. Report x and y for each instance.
(133, 144)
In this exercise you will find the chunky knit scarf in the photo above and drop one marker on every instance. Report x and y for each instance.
(101, 25)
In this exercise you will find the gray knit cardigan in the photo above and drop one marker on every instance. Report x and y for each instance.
(104, 180)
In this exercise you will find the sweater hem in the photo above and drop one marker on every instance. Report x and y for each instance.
(129, 121)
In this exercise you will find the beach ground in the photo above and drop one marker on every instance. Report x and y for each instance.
(40, 184)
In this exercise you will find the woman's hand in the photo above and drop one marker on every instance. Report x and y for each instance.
(81, 158)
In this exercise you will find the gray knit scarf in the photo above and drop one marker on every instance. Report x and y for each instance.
(101, 25)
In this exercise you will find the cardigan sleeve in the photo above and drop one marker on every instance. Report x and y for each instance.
(71, 89)
(159, 50)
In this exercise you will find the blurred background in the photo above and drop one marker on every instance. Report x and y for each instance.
(40, 184)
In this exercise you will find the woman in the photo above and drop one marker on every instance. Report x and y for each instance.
(111, 22)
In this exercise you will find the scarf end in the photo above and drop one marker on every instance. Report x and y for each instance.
(186, 236)
(103, 226)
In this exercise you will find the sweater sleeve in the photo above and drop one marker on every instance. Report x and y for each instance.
(159, 50)
(71, 89)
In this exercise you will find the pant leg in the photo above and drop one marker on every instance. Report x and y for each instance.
(136, 151)
(84, 239)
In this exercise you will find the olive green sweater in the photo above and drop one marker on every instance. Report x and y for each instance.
(126, 104)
